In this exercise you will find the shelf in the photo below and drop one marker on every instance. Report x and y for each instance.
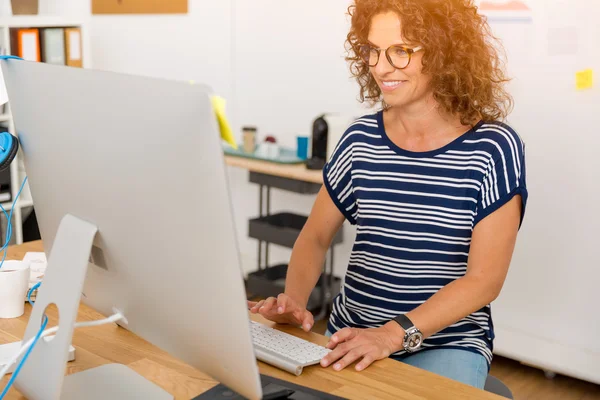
(26, 203)
(279, 182)
(22, 203)
(4, 117)
(282, 229)
(38, 21)
(270, 282)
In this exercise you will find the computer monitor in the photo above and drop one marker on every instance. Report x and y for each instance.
(141, 159)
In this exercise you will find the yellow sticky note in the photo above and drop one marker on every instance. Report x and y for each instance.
(584, 79)
(226, 133)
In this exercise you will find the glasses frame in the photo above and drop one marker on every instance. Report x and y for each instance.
(410, 51)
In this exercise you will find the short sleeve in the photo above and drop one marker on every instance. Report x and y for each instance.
(505, 176)
(337, 178)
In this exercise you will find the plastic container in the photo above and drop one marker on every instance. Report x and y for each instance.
(249, 133)
(302, 147)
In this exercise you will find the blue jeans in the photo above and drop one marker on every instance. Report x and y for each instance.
(460, 365)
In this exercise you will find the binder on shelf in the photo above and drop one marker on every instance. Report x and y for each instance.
(74, 57)
(52, 41)
(26, 43)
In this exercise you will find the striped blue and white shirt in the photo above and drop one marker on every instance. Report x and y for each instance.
(415, 213)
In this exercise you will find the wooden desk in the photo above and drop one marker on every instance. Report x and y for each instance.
(292, 171)
(386, 379)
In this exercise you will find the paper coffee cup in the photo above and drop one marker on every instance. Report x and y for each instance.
(14, 283)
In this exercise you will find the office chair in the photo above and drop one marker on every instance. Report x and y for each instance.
(495, 385)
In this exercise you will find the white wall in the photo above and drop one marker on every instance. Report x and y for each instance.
(289, 65)
(195, 46)
(288, 68)
(279, 65)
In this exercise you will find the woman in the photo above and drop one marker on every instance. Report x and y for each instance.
(436, 186)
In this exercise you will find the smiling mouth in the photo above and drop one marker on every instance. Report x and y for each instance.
(391, 85)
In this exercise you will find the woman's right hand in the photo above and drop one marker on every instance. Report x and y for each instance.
(283, 310)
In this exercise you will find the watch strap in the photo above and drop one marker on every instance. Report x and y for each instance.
(404, 322)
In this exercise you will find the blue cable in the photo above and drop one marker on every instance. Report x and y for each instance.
(9, 219)
(9, 231)
(18, 369)
(9, 56)
(29, 350)
(37, 285)
(45, 322)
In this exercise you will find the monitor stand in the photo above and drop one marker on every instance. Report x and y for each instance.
(43, 375)
(273, 389)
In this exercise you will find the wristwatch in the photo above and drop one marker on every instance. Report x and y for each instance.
(413, 338)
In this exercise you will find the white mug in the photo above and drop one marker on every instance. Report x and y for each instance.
(14, 283)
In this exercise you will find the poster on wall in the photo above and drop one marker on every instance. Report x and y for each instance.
(505, 10)
(139, 7)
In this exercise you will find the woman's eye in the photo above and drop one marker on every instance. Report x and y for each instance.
(401, 52)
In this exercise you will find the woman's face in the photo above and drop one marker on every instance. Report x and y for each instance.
(400, 87)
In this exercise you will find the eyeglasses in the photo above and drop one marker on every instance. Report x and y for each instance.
(397, 55)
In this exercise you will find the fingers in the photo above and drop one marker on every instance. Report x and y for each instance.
(345, 354)
(338, 353)
(269, 303)
(335, 355)
(307, 321)
(350, 357)
(283, 303)
(263, 307)
(256, 306)
(366, 361)
(268, 307)
(303, 317)
(343, 335)
(283, 309)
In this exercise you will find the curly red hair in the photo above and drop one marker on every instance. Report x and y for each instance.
(465, 67)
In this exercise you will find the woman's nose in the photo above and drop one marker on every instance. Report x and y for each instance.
(383, 66)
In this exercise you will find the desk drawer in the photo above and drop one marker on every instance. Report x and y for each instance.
(282, 229)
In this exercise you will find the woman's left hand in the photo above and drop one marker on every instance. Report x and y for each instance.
(351, 344)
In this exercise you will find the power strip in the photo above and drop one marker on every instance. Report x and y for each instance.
(7, 351)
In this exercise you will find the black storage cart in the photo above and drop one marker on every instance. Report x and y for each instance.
(283, 229)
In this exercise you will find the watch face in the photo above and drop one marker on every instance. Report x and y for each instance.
(414, 340)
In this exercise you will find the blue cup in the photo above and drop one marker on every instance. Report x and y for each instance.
(302, 149)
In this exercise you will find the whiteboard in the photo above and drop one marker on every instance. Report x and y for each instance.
(547, 313)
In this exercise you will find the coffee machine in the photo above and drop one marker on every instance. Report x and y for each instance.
(327, 130)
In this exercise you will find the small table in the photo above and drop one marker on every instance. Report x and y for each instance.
(297, 172)
(283, 228)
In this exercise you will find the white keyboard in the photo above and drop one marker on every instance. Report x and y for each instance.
(283, 350)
